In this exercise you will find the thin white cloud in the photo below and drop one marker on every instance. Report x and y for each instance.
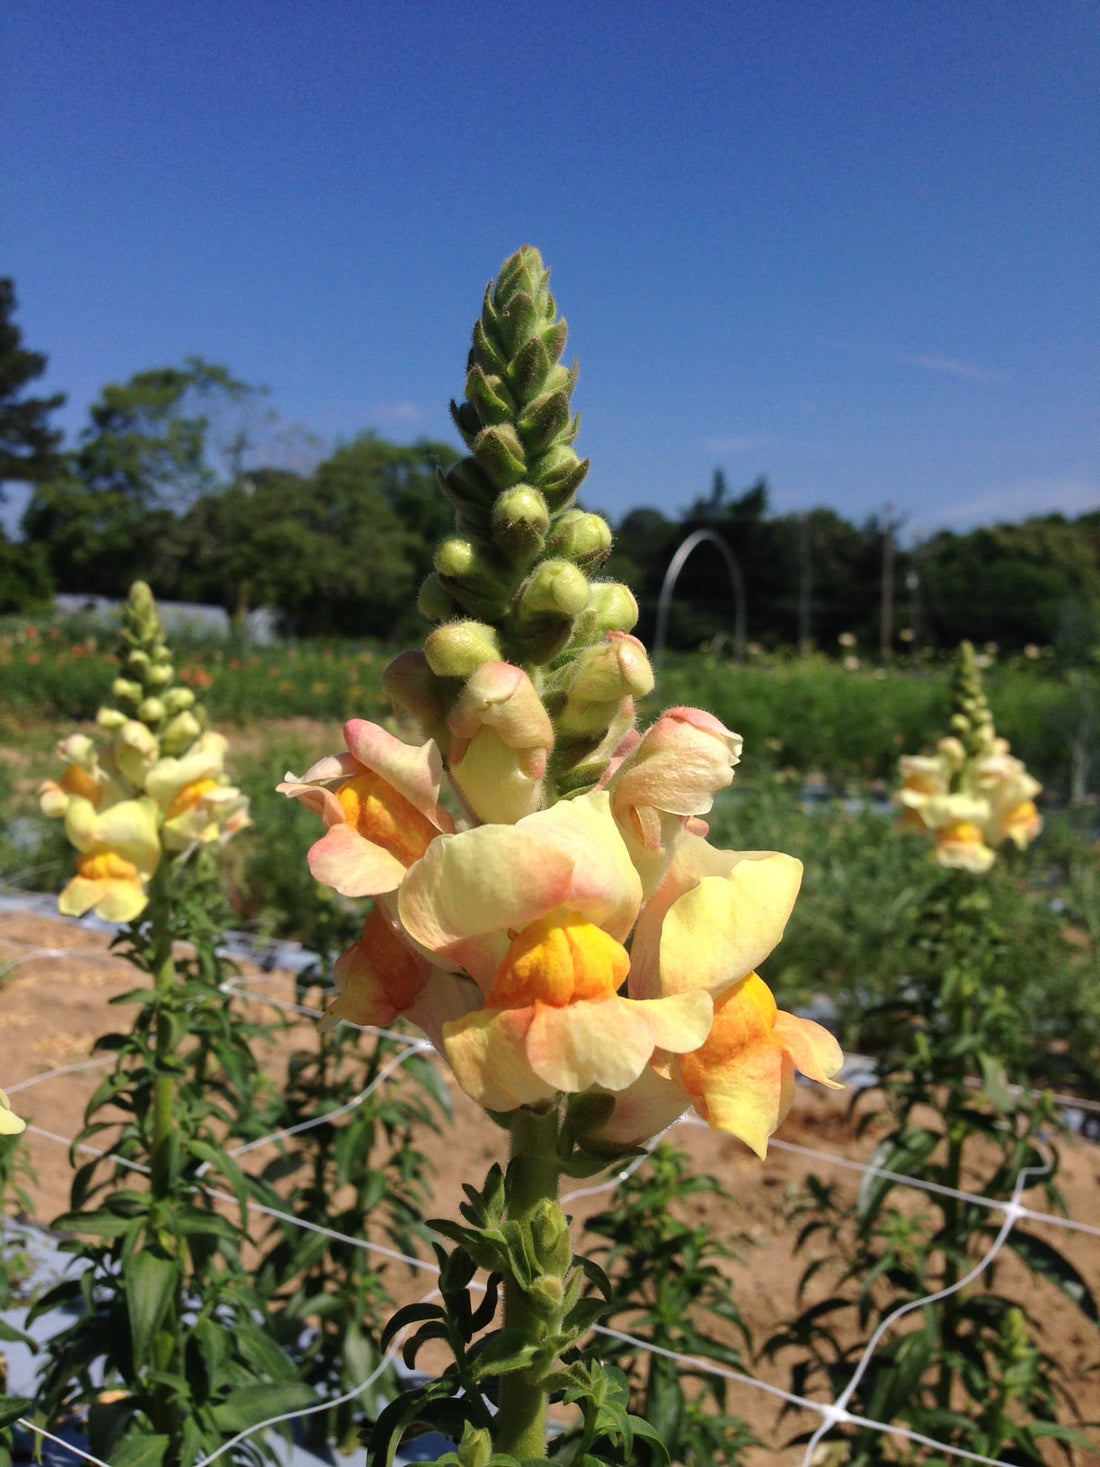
(1071, 497)
(397, 412)
(955, 367)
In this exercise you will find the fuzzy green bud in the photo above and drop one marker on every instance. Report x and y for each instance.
(476, 1447)
(550, 1240)
(460, 647)
(434, 601)
(585, 539)
(137, 664)
(180, 733)
(126, 691)
(546, 1294)
(520, 520)
(555, 587)
(160, 676)
(177, 699)
(500, 456)
(559, 473)
(613, 606)
(151, 711)
(110, 719)
(544, 421)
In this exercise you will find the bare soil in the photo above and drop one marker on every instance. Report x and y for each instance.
(57, 978)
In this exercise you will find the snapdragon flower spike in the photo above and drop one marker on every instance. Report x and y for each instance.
(513, 583)
(159, 783)
(971, 795)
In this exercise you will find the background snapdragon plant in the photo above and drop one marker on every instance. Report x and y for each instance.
(546, 906)
(967, 1369)
(971, 794)
(166, 1356)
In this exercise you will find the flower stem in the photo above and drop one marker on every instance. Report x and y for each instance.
(165, 1411)
(533, 1176)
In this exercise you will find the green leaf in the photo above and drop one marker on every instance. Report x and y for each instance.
(12, 1407)
(249, 1405)
(141, 1451)
(149, 1283)
(505, 1352)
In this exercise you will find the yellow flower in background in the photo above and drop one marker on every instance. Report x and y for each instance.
(10, 1123)
(971, 795)
(119, 851)
(153, 782)
(198, 805)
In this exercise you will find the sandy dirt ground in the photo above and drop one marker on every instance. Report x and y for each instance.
(57, 978)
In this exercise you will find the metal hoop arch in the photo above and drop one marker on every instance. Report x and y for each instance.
(668, 585)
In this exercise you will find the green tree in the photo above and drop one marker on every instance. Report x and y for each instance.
(113, 512)
(28, 444)
(340, 553)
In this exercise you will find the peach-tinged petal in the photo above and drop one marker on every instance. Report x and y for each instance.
(329, 769)
(378, 977)
(607, 1042)
(741, 1080)
(721, 929)
(679, 765)
(415, 772)
(752, 1103)
(469, 889)
(353, 866)
(606, 887)
(644, 1109)
(815, 1052)
(314, 797)
(487, 1051)
(679, 1023)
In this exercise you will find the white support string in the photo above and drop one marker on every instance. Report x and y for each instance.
(831, 1414)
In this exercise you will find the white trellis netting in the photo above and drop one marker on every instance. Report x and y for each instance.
(831, 1413)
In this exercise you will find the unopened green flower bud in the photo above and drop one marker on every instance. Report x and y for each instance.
(460, 647)
(177, 699)
(519, 521)
(476, 1447)
(546, 1294)
(550, 1238)
(490, 397)
(137, 664)
(582, 538)
(559, 473)
(180, 733)
(160, 676)
(469, 490)
(126, 691)
(613, 606)
(434, 601)
(544, 421)
(151, 711)
(110, 719)
(500, 455)
(556, 587)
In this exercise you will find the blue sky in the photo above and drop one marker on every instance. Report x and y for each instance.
(852, 247)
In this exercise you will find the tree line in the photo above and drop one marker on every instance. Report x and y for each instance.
(181, 478)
